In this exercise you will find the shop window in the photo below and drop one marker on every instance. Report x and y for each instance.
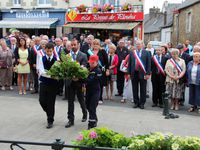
(17, 3)
(44, 2)
(188, 22)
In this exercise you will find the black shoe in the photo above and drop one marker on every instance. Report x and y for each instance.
(118, 94)
(141, 106)
(147, 96)
(60, 94)
(34, 92)
(64, 98)
(49, 125)
(161, 106)
(135, 106)
(154, 105)
(69, 124)
(84, 120)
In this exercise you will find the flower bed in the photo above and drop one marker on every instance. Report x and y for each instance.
(103, 137)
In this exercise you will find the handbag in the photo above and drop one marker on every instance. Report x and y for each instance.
(3, 63)
(123, 67)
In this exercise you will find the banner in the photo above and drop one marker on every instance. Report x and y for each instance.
(72, 16)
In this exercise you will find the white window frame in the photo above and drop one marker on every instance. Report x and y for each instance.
(189, 22)
(18, 4)
(43, 5)
(106, 2)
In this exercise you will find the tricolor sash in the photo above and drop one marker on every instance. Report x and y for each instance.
(158, 65)
(176, 65)
(35, 49)
(91, 53)
(139, 61)
(56, 53)
(42, 52)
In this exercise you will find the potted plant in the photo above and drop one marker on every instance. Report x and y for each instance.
(67, 1)
(107, 8)
(96, 8)
(82, 8)
(126, 7)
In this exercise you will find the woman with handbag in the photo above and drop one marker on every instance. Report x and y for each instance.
(23, 67)
(6, 65)
(112, 75)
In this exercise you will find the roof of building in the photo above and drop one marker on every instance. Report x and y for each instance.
(188, 3)
(154, 24)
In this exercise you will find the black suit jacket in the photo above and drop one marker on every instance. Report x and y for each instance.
(84, 48)
(82, 58)
(146, 59)
(154, 68)
(33, 56)
(185, 56)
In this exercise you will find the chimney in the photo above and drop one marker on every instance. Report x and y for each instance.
(165, 18)
(153, 12)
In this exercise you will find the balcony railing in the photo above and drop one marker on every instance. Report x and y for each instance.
(57, 145)
(117, 9)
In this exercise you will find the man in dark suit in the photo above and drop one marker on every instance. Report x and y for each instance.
(139, 73)
(33, 56)
(75, 87)
(87, 45)
(121, 52)
(158, 77)
(57, 52)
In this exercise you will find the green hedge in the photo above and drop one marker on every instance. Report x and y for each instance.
(103, 137)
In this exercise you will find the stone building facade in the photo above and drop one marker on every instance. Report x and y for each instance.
(186, 22)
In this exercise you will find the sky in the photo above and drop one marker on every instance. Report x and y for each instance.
(157, 3)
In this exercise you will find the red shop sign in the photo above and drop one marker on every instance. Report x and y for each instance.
(105, 17)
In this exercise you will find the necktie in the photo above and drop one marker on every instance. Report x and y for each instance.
(49, 59)
(74, 56)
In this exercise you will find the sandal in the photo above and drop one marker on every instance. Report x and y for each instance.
(192, 109)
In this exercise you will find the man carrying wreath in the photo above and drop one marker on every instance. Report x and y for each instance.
(75, 87)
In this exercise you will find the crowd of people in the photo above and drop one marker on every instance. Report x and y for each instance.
(133, 66)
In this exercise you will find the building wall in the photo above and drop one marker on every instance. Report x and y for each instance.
(179, 35)
(29, 4)
(166, 35)
(151, 37)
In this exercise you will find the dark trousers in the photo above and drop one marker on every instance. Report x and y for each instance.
(136, 81)
(14, 78)
(158, 85)
(194, 95)
(120, 82)
(92, 98)
(35, 77)
(75, 88)
(60, 86)
(67, 83)
(47, 97)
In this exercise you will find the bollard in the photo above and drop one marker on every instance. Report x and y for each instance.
(165, 97)
(58, 145)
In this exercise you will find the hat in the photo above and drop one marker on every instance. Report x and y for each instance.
(179, 46)
(93, 58)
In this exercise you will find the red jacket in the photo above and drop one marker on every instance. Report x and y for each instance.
(115, 63)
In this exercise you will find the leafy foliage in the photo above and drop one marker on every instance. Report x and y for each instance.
(68, 69)
(103, 137)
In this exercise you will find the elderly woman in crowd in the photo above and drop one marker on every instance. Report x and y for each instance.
(112, 76)
(22, 56)
(175, 69)
(6, 65)
(193, 73)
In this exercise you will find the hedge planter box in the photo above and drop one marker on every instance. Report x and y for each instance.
(103, 137)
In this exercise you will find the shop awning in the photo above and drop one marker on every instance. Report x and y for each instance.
(112, 26)
(28, 23)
